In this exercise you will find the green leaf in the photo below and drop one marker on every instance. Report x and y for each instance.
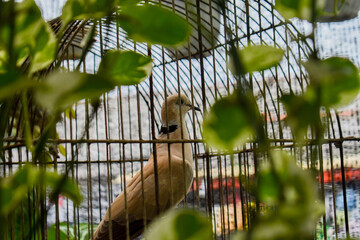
(14, 188)
(180, 225)
(154, 25)
(70, 113)
(12, 83)
(227, 124)
(4, 58)
(126, 2)
(64, 186)
(337, 78)
(294, 205)
(268, 189)
(125, 68)
(33, 36)
(62, 150)
(258, 58)
(302, 112)
(66, 232)
(44, 50)
(85, 229)
(62, 89)
(298, 8)
(85, 9)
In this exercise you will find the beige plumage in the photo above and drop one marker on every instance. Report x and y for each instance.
(173, 120)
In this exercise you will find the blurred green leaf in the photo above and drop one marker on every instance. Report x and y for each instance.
(67, 187)
(268, 190)
(33, 36)
(296, 200)
(62, 89)
(302, 112)
(4, 58)
(258, 58)
(44, 49)
(227, 125)
(154, 25)
(125, 68)
(126, 2)
(14, 188)
(85, 229)
(180, 225)
(12, 83)
(66, 232)
(298, 8)
(337, 78)
(85, 9)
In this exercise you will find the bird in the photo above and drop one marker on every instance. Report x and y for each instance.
(141, 204)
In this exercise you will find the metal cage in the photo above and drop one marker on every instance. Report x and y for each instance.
(122, 133)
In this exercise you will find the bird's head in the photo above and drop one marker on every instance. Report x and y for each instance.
(175, 107)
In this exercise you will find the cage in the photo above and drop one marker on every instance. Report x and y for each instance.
(122, 133)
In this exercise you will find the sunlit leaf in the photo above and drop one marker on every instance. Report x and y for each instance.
(4, 58)
(227, 124)
(338, 80)
(62, 89)
(70, 113)
(83, 9)
(62, 150)
(180, 225)
(125, 68)
(298, 8)
(303, 112)
(258, 57)
(154, 25)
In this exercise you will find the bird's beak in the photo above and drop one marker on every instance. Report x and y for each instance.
(193, 107)
(197, 109)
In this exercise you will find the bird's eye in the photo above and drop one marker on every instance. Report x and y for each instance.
(182, 101)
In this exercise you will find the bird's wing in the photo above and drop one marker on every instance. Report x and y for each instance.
(138, 205)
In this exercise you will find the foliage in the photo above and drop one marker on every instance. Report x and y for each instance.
(67, 232)
(32, 35)
(258, 58)
(14, 189)
(289, 194)
(32, 101)
(337, 78)
(125, 68)
(180, 224)
(166, 28)
(27, 46)
(226, 125)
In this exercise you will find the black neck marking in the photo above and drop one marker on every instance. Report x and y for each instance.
(172, 128)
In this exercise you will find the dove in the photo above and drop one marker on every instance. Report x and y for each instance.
(141, 204)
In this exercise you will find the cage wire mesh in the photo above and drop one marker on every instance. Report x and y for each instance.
(120, 136)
